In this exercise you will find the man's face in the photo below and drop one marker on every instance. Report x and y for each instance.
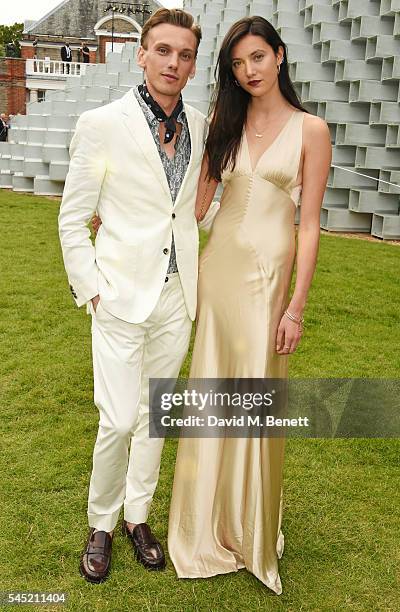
(169, 59)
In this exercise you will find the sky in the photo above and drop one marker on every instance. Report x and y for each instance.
(22, 10)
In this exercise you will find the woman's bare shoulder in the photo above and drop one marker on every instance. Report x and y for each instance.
(315, 127)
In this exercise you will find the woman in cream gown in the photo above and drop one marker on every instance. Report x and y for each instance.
(226, 506)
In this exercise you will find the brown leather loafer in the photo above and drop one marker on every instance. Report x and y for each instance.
(147, 548)
(96, 558)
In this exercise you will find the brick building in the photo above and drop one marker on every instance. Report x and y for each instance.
(12, 85)
(91, 22)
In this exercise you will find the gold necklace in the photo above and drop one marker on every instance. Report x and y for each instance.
(258, 134)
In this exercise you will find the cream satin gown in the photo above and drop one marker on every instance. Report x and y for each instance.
(226, 503)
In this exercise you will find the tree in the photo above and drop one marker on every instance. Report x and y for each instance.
(9, 39)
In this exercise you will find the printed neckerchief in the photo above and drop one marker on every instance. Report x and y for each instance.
(160, 115)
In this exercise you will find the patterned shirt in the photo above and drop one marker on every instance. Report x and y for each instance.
(175, 168)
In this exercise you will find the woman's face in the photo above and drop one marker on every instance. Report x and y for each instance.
(255, 64)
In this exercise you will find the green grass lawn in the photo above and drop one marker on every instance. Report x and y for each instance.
(341, 518)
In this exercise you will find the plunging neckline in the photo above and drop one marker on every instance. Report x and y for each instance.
(269, 146)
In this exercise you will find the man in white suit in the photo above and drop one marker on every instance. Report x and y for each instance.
(137, 162)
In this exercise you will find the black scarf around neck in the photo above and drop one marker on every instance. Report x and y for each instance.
(170, 122)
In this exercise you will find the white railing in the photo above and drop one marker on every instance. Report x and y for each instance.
(48, 67)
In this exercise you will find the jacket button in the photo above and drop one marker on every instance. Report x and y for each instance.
(166, 279)
(165, 251)
(173, 215)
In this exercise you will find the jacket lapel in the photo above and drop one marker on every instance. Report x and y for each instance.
(138, 128)
(196, 147)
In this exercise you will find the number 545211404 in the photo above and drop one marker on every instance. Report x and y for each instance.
(32, 597)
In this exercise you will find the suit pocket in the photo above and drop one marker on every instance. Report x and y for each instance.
(99, 313)
(92, 311)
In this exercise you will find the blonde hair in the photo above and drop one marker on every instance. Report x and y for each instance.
(176, 17)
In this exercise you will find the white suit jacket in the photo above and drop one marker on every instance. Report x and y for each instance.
(116, 169)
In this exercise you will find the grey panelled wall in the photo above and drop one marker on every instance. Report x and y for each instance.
(344, 61)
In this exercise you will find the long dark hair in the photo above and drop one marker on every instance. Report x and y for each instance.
(228, 109)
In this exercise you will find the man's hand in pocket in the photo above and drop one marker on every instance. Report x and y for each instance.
(96, 222)
(95, 301)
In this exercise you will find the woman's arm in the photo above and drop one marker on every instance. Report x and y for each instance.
(316, 165)
(206, 189)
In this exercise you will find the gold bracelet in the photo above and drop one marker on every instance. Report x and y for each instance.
(293, 318)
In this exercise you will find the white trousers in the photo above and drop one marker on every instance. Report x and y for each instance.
(126, 462)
